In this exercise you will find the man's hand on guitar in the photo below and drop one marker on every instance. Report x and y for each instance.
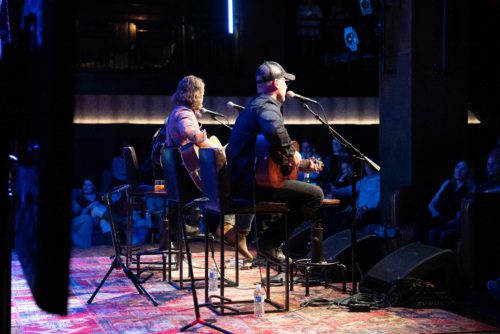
(297, 158)
(315, 165)
(311, 165)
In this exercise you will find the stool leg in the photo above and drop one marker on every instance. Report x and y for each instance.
(307, 281)
(206, 264)
(182, 244)
(128, 251)
(287, 267)
(268, 280)
(138, 266)
(169, 246)
(344, 285)
(164, 259)
(237, 251)
(222, 269)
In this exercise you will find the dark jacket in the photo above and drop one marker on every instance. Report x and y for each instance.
(261, 115)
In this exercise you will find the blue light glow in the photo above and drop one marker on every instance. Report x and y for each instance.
(230, 16)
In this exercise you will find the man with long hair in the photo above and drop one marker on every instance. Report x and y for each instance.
(182, 127)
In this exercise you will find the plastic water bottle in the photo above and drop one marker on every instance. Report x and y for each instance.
(258, 301)
(307, 178)
(213, 278)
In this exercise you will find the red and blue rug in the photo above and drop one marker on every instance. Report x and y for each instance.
(118, 308)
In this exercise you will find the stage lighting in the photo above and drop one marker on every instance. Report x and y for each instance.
(351, 39)
(366, 7)
(230, 17)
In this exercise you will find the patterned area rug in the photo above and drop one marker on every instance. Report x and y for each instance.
(118, 308)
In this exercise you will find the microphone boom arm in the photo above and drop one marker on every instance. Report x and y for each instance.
(346, 143)
(356, 154)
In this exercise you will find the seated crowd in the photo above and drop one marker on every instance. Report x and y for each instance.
(91, 226)
(440, 223)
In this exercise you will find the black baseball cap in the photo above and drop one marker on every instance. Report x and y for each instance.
(270, 70)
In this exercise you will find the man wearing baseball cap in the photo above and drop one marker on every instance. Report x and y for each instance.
(264, 115)
(270, 70)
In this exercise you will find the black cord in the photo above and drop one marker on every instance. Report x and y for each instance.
(372, 300)
(317, 302)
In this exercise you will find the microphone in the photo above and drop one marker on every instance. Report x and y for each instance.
(230, 104)
(292, 95)
(211, 113)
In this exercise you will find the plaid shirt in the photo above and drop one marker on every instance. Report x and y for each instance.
(182, 127)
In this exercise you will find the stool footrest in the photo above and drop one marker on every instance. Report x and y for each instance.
(307, 264)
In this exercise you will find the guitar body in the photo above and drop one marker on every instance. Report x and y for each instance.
(269, 172)
(191, 160)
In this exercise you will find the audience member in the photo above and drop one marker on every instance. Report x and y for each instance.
(444, 208)
(118, 169)
(116, 174)
(346, 175)
(333, 166)
(494, 288)
(141, 216)
(88, 212)
(307, 152)
(492, 182)
(367, 203)
(445, 205)
(344, 179)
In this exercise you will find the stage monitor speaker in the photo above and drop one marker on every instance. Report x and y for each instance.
(415, 260)
(299, 240)
(338, 247)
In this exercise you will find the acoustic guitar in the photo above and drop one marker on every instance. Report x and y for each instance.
(191, 160)
(269, 172)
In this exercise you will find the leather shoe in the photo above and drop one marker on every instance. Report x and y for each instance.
(191, 230)
(272, 252)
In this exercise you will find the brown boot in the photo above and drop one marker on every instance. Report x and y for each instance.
(242, 243)
(242, 246)
(228, 228)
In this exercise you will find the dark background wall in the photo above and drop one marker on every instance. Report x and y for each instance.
(145, 47)
(423, 94)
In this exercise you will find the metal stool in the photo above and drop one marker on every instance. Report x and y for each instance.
(317, 259)
(216, 189)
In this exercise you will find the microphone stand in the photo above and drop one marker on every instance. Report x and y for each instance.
(214, 117)
(355, 154)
